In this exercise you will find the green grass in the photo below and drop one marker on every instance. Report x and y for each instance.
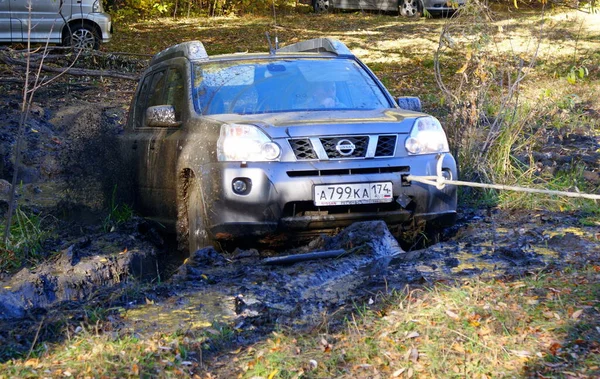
(24, 247)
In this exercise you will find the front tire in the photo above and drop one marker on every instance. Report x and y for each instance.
(410, 8)
(82, 37)
(321, 6)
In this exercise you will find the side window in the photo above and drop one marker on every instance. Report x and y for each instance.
(156, 89)
(140, 105)
(174, 92)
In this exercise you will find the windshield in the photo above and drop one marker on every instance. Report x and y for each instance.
(284, 85)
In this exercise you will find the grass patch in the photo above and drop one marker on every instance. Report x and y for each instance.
(27, 234)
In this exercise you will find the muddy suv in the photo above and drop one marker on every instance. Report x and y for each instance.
(302, 139)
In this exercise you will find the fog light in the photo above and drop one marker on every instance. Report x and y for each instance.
(240, 186)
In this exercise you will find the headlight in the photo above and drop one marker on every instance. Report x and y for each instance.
(427, 137)
(245, 143)
(97, 6)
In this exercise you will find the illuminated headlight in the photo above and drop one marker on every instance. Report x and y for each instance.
(245, 143)
(427, 137)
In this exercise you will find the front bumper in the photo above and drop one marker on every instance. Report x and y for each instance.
(104, 21)
(436, 6)
(281, 194)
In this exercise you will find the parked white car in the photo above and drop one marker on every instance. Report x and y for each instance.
(407, 8)
(80, 23)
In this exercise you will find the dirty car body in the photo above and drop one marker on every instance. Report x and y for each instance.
(241, 145)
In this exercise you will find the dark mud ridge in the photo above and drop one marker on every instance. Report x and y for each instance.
(95, 262)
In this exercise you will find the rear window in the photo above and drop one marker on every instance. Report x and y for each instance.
(284, 85)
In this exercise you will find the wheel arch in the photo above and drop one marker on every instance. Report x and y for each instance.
(71, 24)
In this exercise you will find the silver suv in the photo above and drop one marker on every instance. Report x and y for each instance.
(80, 23)
(304, 138)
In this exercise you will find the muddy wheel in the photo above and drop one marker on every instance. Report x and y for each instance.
(82, 37)
(198, 236)
(321, 6)
(410, 8)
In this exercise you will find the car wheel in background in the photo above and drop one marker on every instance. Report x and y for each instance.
(82, 37)
(410, 8)
(321, 6)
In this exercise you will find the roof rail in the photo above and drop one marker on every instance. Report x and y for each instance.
(193, 50)
(317, 45)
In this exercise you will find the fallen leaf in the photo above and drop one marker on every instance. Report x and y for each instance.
(272, 374)
(576, 314)
(412, 335)
(521, 353)
(452, 315)
(458, 348)
(413, 355)
(397, 373)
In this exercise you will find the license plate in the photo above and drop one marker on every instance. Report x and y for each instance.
(350, 194)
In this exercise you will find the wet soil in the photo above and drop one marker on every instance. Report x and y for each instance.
(133, 271)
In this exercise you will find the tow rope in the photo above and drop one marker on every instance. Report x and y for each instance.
(439, 181)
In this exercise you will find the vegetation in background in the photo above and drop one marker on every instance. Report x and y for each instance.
(485, 71)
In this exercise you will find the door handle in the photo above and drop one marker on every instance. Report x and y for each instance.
(134, 146)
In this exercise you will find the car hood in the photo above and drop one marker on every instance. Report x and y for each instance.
(318, 123)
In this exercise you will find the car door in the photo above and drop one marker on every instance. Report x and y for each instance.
(165, 145)
(44, 19)
(156, 148)
(11, 27)
(5, 21)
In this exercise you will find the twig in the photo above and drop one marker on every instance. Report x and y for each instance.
(35, 338)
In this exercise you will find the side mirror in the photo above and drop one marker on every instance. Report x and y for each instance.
(161, 116)
(410, 103)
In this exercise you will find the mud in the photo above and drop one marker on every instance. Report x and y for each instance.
(83, 266)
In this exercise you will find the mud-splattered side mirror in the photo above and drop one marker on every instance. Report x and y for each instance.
(161, 116)
(410, 103)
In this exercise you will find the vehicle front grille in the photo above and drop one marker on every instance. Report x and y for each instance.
(386, 145)
(344, 147)
(303, 148)
(331, 145)
(350, 171)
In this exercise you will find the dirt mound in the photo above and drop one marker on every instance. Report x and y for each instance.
(70, 154)
(95, 262)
